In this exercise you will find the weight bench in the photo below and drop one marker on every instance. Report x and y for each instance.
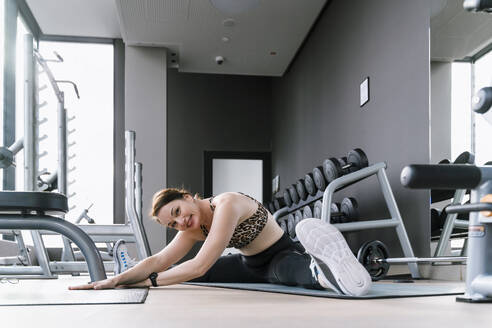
(27, 211)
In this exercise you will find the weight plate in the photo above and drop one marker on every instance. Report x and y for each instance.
(7, 157)
(332, 169)
(291, 225)
(293, 194)
(298, 216)
(349, 208)
(319, 178)
(335, 208)
(318, 205)
(287, 199)
(278, 203)
(358, 159)
(309, 184)
(482, 101)
(465, 158)
(368, 255)
(307, 212)
(301, 189)
(283, 225)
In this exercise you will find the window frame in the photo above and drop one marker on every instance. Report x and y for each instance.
(19, 8)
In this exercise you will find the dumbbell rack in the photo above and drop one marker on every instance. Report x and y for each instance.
(395, 221)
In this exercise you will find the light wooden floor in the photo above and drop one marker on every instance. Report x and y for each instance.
(194, 306)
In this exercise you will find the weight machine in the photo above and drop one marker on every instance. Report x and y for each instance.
(133, 231)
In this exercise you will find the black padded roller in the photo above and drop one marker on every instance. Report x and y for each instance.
(457, 176)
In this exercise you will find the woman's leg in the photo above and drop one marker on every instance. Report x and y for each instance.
(231, 268)
(291, 267)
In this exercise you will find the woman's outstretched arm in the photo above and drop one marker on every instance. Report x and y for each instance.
(179, 246)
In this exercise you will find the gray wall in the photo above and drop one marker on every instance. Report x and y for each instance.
(440, 111)
(213, 113)
(317, 114)
(145, 113)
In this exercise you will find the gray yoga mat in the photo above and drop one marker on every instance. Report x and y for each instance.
(55, 292)
(378, 290)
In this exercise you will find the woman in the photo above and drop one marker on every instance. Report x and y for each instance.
(267, 254)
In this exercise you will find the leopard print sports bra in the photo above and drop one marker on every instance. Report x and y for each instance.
(247, 230)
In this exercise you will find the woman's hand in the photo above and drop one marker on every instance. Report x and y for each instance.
(101, 284)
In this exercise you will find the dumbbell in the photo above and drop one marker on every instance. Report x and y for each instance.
(339, 213)
(278, 203)
(309, 184)
(290, 196)
(319, 178)
(298, 216)
(283, 223)
(482, 101)
(271, 207)
(291, 225)
(334, 168)
(317, 208)
(301, 189)
(307, 212)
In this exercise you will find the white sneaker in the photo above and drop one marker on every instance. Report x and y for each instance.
(122, 260)
(333, 263)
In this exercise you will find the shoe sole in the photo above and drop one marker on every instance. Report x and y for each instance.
(333, 257)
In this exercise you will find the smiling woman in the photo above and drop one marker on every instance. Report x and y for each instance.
(266, 253)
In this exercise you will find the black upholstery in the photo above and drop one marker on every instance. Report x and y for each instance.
(33, 201)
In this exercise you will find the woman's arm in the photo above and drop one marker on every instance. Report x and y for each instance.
(179, 247)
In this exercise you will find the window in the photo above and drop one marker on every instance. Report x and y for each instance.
(90, 151)
(460, 108)
(2, 49)
(22, 30)
(470, 131)
(2, 56)
(483, 130)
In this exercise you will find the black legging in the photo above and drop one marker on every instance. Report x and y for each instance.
(285, 262)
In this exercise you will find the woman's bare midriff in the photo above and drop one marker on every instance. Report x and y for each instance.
(270, 234)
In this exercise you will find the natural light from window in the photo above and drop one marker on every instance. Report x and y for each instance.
(90, 67)
(460, 108)
(483, 130)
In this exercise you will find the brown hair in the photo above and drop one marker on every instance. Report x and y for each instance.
(165, 196)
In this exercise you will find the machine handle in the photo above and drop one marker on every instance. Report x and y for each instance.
(467, 208)
(456, 176)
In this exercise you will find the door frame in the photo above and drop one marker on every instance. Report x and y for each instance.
(209, 156)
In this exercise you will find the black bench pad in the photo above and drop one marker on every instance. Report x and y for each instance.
(32, 201)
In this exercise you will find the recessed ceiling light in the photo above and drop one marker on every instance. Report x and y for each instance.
(229, 22)
(225, 39)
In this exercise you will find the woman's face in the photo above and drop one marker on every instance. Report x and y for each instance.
(180, 214)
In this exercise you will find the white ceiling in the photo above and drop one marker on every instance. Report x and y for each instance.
(456, 33)
(88, 18)
(261, 41)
